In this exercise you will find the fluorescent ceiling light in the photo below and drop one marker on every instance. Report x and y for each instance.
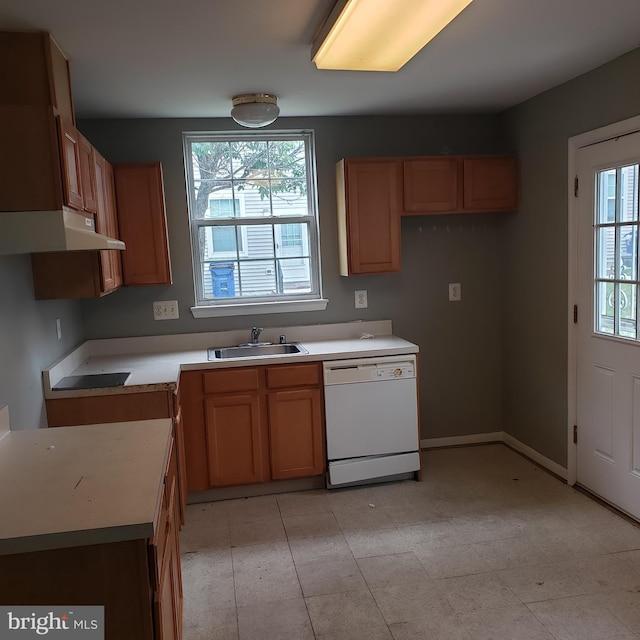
(380, 35)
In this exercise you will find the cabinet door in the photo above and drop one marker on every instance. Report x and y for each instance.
(59, 79)
(490, 184)
(168, 597)
(70, 158)
(195, 433)
(111, 228)
(178, 429)
(36, 72)
(368, 215)
(295, 433)
(88, 174)
(234, 434)
(110, 278)
(430, 185)
(143, 225)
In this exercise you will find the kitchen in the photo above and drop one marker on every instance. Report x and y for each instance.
(482, 377)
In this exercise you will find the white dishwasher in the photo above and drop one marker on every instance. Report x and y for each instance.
(371, 410)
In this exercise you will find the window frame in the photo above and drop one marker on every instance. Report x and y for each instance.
(312, 300)
(609, 283)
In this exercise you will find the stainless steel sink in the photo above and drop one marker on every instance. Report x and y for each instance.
(253, 351)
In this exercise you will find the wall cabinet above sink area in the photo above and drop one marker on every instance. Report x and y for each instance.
(373, 193)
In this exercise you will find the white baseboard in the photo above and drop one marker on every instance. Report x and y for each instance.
(475, 438)
(526, 450)
(496, 436)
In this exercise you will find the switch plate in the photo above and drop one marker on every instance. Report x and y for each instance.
(455, 292)
(58, 329)
(361, 299)
(165, 310)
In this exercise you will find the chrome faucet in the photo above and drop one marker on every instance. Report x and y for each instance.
(255, 334)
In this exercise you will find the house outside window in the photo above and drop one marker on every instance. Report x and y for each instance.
(253, 219)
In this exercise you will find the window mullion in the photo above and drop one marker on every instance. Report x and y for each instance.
(278, 176)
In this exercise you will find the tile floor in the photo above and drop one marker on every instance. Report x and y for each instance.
(487, 546)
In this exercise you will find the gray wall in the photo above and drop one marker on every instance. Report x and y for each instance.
(460, 343)
(28, 341)
(498, 359)
(535, 269)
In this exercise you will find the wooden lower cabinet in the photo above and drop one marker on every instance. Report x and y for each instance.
(166, 553)
(137, 581)
(249, 425)
(123, 407)
(234, 429)
(295, 433)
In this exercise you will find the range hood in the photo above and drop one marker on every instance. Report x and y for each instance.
(61, 230)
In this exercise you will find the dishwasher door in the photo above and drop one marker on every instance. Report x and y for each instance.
(371, 407)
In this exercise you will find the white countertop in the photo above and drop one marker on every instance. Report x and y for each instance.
(155, 363)
(75, 486)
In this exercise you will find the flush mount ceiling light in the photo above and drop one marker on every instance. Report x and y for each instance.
(380, 35)
(255, 110)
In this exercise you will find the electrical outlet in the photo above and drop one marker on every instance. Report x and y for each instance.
(165, 310)
(361, 299)
(58, 329)
(455, 292)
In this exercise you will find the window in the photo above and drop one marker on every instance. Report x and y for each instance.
(616, 242)
(253, 218)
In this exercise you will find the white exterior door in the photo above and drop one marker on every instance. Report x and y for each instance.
(608, 342)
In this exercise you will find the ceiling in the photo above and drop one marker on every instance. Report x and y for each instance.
(187, 58)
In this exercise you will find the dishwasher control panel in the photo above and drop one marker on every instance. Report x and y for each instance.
(391, 372)
(369, 370)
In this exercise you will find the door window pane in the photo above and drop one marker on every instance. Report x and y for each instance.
(606, 252)
(616, 242)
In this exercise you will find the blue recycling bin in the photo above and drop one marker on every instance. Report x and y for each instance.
(222, 277)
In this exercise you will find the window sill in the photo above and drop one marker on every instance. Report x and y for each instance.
(245, 309)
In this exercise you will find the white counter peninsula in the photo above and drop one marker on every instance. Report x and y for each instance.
(89, 517)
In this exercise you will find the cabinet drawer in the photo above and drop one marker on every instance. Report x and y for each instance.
(231, 380)
(295, 375)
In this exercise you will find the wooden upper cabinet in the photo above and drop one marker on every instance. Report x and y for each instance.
(490, 184)
(430, 185)
(368, 191)
(459, 184)
(83, 274)
(143, 224)
(40, 166)
(88, 174)
(70, 156)
(107, 224)
(34, 72)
